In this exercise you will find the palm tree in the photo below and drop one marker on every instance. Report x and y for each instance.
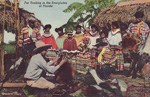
(84, 13)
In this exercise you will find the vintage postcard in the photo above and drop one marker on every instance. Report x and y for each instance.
(74, 48)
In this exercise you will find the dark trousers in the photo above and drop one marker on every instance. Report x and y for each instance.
(105, 71)
(135, 58)
(142, 60)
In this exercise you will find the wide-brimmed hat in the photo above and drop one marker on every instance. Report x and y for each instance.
(41, 46)
(59, 29)
(101, 44)
(47, 26)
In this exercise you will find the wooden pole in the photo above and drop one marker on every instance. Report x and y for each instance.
(17, 16)
(12, 85)
(2, 45)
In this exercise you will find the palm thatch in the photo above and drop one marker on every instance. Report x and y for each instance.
(10, 19)
(124, 12)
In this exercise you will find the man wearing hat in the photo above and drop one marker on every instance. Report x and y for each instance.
(61, 37)
(78, 35)
(105, 60)
(38, 64)
(70, 43)
(48, 37)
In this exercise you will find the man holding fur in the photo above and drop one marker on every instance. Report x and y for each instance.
(40, 63)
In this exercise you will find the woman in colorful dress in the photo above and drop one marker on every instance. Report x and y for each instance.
(48, 37)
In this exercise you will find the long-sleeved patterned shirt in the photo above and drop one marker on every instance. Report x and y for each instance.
(140, 30)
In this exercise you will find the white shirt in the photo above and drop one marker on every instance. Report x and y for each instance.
(36, 65)
(93, 39)
(114, 38)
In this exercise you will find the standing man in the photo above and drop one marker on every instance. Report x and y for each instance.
(61, 37)
(38, 64)
(48, 37)
(139, 28)
(78, 35)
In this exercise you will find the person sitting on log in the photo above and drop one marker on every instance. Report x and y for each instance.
(40, 63)
(105, 60)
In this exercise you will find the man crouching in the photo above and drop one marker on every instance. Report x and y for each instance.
(38, 64)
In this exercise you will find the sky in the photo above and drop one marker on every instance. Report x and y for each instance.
(52, 13)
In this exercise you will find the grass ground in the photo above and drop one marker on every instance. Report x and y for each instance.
(10, 48)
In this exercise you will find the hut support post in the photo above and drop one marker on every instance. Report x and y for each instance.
(17, 23)
(1, 55)
(2, 72)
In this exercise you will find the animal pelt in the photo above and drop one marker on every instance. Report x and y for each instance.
(130, 43)
(65, 73)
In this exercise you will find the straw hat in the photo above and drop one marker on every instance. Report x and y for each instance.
(41, 46)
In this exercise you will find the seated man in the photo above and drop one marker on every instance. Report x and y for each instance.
(38, 64)
(105, 60)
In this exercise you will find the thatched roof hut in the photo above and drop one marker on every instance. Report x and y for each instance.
(10, 19)
(123, 11)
